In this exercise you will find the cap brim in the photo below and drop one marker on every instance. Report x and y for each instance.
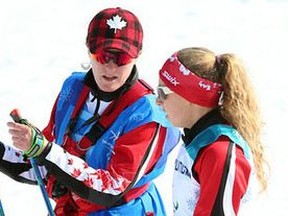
(115, 44)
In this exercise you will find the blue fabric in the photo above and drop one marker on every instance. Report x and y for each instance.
(211, 134)
(68, 97)
(138, 207)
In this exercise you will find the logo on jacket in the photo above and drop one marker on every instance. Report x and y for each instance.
(180, 167)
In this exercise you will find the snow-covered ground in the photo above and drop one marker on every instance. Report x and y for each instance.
(42, 42)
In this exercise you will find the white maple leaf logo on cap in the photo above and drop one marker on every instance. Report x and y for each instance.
(116, 23)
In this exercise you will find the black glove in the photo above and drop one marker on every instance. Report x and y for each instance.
(2, 149)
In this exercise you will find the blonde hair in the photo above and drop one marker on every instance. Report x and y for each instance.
(239, 105)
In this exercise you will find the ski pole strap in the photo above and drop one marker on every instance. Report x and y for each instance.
(38, 144)
(38, 141)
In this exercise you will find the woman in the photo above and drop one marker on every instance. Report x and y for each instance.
(106, 140)
(210, 97)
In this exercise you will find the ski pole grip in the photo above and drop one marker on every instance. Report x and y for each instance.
(15, 114)
(38, 141)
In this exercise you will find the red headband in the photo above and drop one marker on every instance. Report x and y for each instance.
(188, 85)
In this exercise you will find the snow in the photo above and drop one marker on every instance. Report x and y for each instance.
(42, 42)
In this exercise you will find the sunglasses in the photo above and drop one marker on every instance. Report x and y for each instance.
(163, 92)
(119, 58)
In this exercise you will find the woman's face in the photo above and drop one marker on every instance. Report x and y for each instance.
(109, 76)
(177, 108)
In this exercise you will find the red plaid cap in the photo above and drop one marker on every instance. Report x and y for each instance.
(115, 28)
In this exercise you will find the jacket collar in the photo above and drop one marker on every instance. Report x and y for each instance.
(211, 118)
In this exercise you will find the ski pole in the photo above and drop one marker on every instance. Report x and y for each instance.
(15, 114)
(1, 209)
(42, 187)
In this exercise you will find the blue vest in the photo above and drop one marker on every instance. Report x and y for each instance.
(142, 111)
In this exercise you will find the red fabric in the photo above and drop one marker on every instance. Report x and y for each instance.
(188, 85)
(209, 167)
(65, 206)
(115, 28)
(48, 130)
(135, 192)
(243, 171)
(125, 162)
(129, 151)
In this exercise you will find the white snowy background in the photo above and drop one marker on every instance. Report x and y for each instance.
(42, 42)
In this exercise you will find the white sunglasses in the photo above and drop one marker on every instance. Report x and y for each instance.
(163, 92)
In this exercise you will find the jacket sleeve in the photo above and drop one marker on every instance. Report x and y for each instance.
(223, 173)
(134, 154)
(13, 165)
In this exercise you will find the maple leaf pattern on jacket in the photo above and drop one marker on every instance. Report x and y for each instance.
(98, 179)
(107, 181)
(116, 23)
(76, 173)
(70, 161)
